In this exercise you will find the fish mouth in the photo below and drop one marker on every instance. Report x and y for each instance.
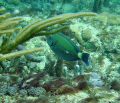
(51, 44)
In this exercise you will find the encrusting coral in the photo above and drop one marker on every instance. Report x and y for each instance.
(36, 28)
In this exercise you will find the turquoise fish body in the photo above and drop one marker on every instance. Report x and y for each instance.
(65, 48)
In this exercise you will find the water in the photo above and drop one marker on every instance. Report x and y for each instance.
(30, 78)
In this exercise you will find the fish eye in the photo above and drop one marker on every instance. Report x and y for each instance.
(50, 37)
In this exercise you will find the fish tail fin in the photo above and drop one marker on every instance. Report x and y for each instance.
(85, 57)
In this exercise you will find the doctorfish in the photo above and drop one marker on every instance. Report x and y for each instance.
(66, 49)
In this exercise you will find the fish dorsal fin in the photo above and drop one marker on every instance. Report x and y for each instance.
(71, 42)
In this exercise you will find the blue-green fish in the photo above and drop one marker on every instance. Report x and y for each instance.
(65, 48)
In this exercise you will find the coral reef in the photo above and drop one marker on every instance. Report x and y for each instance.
(34, 29)
(38, 91)
(28, 56)
(58, 67)
(15, 2)
(94, 80)
(44, 78)
(59, 90)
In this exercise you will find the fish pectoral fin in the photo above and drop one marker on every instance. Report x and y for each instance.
(54, 44)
